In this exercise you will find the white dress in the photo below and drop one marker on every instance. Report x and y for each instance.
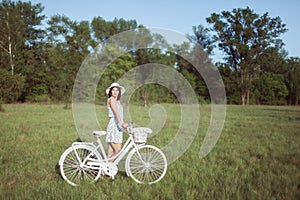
(113, 130)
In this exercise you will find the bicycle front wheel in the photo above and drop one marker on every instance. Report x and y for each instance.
(147, 165)
(72, 168)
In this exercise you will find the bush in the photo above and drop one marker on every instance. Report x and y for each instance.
(38, 98)
(202, 100)
(11, 86)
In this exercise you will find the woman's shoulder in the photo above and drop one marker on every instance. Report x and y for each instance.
(111, 100)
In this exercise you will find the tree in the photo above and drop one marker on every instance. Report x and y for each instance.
(68, 43)
(244, 35)
(230, 81)
(203, 38)
(268, 83)
(104, 29)
(19, 23)
(293, 80)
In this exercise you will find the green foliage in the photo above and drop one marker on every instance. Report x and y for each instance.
(270, 89)
(114, 71)
(49, 55)
(293, 80)
(230, 81)
(202, 37)
(104, 29)
(11, 86)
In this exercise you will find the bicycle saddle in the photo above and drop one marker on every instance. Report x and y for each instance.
(99, 133)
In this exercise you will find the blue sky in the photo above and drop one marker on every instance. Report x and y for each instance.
(179, 16)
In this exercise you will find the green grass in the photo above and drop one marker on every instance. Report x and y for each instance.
(256, 157)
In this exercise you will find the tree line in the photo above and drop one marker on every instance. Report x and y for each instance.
(40, 56)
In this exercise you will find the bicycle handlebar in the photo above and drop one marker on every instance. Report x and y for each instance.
(130, 127)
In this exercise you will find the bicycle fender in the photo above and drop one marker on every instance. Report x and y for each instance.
(62, 155)
(83, 144)
(75, 144)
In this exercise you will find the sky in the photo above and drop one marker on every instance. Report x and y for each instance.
(178, 15)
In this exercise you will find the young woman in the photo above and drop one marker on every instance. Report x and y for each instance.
(114, 135)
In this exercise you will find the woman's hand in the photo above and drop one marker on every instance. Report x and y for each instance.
(124, 125)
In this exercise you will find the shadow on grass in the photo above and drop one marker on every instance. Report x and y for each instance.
(57, 166)
(57, 170)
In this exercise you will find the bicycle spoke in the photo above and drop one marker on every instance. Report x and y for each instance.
(147, 166)
(76, 172)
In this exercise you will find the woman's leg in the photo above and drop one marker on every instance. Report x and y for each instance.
(110, 150)
(117, 147)
(113, 149)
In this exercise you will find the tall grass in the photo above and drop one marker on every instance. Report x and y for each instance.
(256, 157)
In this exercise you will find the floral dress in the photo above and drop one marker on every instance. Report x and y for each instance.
(113, 130)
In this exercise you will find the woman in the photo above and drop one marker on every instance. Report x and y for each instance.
(114, 135)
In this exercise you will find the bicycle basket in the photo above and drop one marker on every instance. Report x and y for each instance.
(140, 134)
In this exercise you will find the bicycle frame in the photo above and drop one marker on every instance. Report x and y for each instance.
(129, 144)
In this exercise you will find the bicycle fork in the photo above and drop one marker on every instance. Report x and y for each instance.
(139, 155)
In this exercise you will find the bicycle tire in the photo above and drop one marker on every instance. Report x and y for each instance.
(153, 167)
(71, 170)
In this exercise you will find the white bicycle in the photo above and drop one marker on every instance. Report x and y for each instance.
(84, 163)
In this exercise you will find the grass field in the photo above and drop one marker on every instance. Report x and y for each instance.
(256, 157)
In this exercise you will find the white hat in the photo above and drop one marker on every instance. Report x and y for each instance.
(116, 85)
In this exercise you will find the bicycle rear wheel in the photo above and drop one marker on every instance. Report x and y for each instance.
(72, 168)
(147, 165)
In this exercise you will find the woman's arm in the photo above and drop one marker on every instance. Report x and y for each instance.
(113, 104)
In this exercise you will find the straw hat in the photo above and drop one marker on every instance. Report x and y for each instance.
(116, 85)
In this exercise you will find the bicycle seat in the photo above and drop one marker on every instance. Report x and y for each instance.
(99, 133)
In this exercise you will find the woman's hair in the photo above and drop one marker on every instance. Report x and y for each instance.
(119, 95)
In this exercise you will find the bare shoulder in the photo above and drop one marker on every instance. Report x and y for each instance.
(111, 101)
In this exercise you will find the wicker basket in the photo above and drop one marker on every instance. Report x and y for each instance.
(140, 134)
